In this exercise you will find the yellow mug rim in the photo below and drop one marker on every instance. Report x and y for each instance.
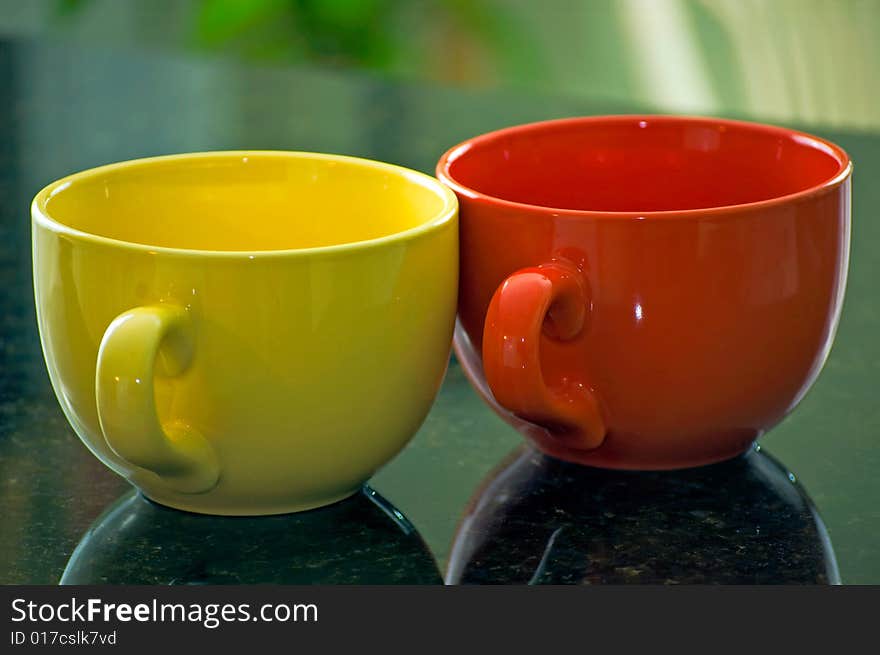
(40, 215)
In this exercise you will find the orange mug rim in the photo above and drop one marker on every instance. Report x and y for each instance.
(843, 171)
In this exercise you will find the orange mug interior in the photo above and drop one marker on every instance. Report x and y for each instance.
(624, 165)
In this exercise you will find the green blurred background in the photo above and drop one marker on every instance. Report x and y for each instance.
(811, 62)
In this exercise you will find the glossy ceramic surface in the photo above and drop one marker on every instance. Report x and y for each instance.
(246, 332)
(648, 292)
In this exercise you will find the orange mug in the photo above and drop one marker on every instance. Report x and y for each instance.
(648, 292)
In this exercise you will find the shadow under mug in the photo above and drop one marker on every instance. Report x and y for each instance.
(648, 292)
(246, 332)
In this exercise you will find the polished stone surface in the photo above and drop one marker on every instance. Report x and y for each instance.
(66, 108)
(538, 520)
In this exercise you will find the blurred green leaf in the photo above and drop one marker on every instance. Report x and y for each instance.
(464, 40)
(69, 7)
(220, 20)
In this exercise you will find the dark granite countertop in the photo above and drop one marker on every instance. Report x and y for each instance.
(529, 518)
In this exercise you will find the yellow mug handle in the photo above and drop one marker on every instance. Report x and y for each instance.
(134, 343)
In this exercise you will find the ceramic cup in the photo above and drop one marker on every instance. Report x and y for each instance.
(648, 292)
(246, 332)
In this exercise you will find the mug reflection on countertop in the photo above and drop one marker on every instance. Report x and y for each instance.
(363, 539)
(540, 520)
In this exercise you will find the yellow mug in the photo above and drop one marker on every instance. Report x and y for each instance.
(246, 332)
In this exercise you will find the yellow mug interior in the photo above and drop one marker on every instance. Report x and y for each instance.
(246, 201)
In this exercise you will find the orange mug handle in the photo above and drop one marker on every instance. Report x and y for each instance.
(552, 300)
